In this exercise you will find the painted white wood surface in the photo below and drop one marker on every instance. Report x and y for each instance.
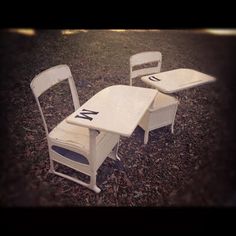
(176, 80)
(119, 109)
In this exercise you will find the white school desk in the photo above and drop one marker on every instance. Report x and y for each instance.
(116, 109)
(176, 80)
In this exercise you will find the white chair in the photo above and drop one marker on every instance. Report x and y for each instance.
(164, 107)
(69, 144)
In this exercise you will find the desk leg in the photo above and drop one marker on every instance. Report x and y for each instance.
(117, 148)
(92, 148)
(114, 153)
(146, 121)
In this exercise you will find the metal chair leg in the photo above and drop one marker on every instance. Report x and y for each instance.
(146, 134)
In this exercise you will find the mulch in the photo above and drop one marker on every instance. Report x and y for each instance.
(195, 166)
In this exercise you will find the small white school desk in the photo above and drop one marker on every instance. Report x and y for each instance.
(176, 80)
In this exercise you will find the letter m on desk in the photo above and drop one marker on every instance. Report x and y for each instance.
(86, 114)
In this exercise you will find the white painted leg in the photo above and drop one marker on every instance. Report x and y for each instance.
(172, 128)
(117, 148)
(93, 184)
(51, 170)
(146, 134)
(172, 125)
(92, 145)
(114, 153)
(92, 187)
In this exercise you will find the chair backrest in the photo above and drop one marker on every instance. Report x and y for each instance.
(50, 77)
(144, 58)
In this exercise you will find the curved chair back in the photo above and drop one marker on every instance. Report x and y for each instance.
(50, 77)
(144, 58)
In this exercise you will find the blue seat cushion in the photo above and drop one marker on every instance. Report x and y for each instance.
(70, 154)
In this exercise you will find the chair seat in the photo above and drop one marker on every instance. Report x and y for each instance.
(162, 100)
(73, 135)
